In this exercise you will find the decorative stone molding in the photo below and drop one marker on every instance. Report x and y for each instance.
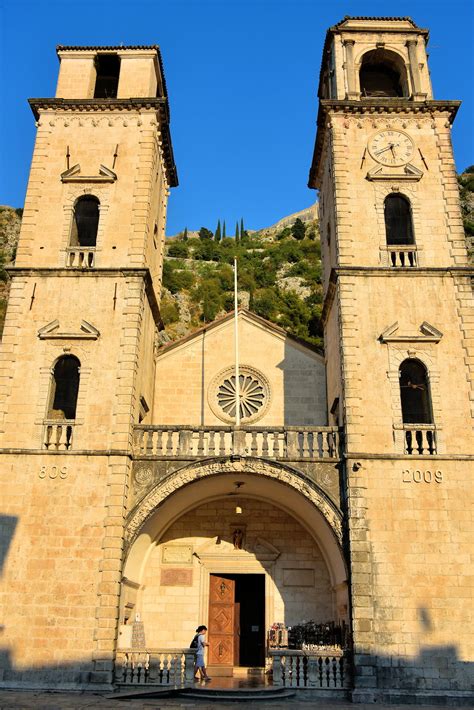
(255, 394)
(197, 471)
(50, 332)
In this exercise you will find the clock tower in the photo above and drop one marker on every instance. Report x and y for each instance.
(399, 337)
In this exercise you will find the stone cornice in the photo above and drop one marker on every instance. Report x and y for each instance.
(384, 271)
(159, 106)
(93, 273)
(376, 106)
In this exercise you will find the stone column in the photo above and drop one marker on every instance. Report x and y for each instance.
(352, 92)
(415, 70)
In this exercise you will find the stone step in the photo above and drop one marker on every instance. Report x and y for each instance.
(238, 695)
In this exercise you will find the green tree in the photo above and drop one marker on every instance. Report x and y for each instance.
(298, 229)
(205, 233)
(223, 230)
(209, 295)
(236, 231)
(178, 250)
(176, 279)
(217, 234)
(185, 234)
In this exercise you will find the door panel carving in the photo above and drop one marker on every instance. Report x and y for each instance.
(221, 620)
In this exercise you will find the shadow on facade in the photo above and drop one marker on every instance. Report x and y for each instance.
(435, 676)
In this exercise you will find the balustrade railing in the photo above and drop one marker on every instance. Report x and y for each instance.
(271, 442)
(57, 434)
(416, 439)
(328, 669)
(80, 257)
(400, 255)
(173, 667)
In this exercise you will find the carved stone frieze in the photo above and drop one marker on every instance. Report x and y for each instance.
(145, 479)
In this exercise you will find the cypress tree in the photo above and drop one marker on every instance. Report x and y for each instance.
(223, 230)
(185, 234)
(217, 235)
(236, 231)
(241, 227)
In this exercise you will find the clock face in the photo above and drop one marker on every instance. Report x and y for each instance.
(391, 147)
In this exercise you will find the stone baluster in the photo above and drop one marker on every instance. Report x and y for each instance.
(265, 450)
(175, 674)
(148, 441)
(211, 449)
(159, 442)
(222, 450)
(276, 444)
(254, 444)
(305, 453)
(169, 443)
(200, 448)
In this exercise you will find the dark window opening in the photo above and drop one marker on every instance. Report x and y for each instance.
(415, 393)
(108, 70)
(398, 221)
(381, 75)
(85, 222)
(65, 388)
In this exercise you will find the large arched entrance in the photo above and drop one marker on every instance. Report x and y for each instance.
(239, 545)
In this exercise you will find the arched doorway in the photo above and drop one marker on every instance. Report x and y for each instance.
(256, 531)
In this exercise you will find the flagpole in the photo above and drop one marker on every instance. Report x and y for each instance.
(236, 344)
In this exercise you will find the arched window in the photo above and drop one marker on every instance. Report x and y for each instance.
(64, 388)
(85, 222)
(415, 393)
(382, 74)
(108, 70)
(398, 221)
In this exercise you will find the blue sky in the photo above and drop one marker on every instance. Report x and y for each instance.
(242, 81)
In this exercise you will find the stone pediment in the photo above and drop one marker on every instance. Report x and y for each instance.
(381, 172)
(427, 333)
(74, 175)
(51, 332)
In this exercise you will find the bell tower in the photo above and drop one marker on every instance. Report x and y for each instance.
(78, 352)
(399, 338)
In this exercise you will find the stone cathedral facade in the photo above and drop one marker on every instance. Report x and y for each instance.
(133, 508)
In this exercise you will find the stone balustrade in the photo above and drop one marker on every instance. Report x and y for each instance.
(325, 670)
(169, 667)
(80, 257)
(400, 256)
(416, 439)
(292, 443)
(58, 434)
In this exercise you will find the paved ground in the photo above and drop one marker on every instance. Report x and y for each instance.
(43, 700)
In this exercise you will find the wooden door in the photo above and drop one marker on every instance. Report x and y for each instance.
(221, 621)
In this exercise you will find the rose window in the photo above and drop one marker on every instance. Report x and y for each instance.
(254, 394)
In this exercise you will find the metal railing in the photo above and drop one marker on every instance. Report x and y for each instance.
(267, 442)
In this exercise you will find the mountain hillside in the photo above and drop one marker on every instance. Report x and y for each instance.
(279, 279)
